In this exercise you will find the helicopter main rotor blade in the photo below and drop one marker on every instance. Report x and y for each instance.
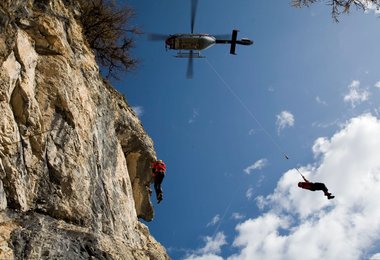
(194, 4)
(190, 66)
(157, 37)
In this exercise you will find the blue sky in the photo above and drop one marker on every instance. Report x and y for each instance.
(308, 87)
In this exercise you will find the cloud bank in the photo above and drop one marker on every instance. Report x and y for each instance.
(300, 224)
(212, 247)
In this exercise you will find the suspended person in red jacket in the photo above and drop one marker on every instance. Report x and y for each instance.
(313, 186)
(158, 173)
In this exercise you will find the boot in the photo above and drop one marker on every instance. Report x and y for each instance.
(159, 198)
(330, 197)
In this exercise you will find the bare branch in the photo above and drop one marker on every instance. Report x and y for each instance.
(108, 34)
(339, 6)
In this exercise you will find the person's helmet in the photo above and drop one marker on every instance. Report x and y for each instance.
(160, 161)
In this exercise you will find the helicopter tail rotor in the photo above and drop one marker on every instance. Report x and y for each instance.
(233, 41)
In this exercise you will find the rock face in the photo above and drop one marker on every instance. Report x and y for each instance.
(74, 158)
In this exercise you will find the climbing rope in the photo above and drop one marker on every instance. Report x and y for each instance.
(276, 144)
(252, 115)
(227, 208)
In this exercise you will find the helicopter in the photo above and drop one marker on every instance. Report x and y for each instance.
(190, 45)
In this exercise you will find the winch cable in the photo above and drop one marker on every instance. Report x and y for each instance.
(252, 115)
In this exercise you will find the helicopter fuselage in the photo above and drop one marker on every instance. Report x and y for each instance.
(195, 42)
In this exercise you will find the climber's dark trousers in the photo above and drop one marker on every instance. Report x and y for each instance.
(320, 186)
(157, 184)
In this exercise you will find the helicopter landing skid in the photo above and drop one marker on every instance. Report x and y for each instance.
(189, 55)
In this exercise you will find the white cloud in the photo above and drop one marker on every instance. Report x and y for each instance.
(320, 101)
(139, 110)
(377, 84)
(301, 224)
(204, 257)
(213, 244)
(321, 146)
(213, 247)
(375, 257)
(260, 202)
(258, 165)
(254, 131)
(249, 193)
(326, 124)
(264, 237)
(214, 220)
(284, 119)
(356, 95)
(237, 216)
(193, 116)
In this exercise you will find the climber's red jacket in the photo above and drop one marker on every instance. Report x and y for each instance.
(158, 166)
(306, 185)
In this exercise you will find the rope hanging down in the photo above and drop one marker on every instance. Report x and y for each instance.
(300, 173)
(279, 148)
(276, 144)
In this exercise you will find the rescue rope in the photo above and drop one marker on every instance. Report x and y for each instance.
(252, 115)
(299, 172)
(227, 209)
(276, 144)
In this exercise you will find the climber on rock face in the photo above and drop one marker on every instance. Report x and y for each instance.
(313, 186)
(158, 173)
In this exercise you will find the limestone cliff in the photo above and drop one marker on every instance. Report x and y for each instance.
(74, 158)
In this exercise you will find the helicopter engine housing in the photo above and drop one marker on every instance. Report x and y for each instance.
(190, 41)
